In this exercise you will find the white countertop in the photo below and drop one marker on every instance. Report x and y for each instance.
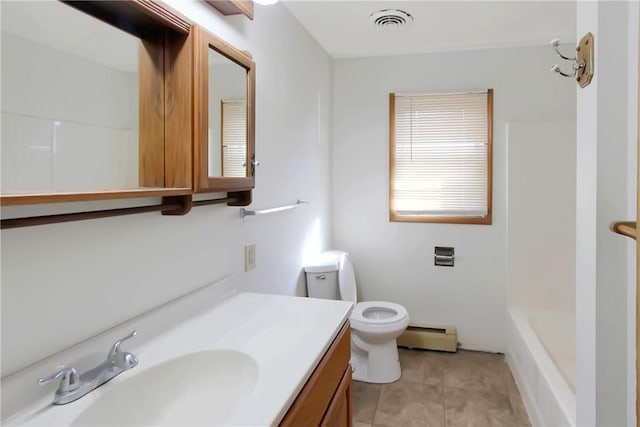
(286, 336)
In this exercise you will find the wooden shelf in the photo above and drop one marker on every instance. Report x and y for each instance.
(625, 228)
(233, 7)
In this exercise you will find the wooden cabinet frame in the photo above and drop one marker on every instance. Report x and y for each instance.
(165, 101)
(173, 113)
(202, 182)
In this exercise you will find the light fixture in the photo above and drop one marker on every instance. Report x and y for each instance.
(265, 2)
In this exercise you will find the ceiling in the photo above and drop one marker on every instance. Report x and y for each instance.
(344, 29)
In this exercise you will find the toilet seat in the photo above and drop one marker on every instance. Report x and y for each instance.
(377, 315)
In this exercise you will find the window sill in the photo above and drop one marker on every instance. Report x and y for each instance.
(485, 220)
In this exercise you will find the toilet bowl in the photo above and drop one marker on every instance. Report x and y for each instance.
(375, 325)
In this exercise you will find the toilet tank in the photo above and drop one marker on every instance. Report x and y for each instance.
(322, 277)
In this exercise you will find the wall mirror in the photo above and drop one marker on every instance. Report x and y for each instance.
(224, 131)
(94, 100)
(227, 139)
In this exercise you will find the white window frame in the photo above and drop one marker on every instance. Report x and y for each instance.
(441, 216)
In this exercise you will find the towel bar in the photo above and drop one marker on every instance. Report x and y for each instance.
(246, 212)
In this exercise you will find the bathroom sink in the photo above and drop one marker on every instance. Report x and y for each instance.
(202, 388)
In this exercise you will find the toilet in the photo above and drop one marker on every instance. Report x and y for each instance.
(375, 325)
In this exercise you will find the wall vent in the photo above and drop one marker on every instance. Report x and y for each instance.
(391, 18)
(427, 337)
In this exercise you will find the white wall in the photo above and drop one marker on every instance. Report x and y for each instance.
(63, 283)
(394, 261)
(606, 135)
(632, 194)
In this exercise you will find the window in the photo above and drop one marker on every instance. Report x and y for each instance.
(440, 156)
(234, 138)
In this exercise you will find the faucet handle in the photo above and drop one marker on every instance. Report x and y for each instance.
(124, 360)
(115, 349)
(70, 379)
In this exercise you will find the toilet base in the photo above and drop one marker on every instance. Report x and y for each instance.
(380, 364)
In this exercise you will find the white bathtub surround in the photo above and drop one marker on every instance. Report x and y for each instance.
(545, 392)
(541, 235)
(282, 337)
(556, 331)
(541, 272)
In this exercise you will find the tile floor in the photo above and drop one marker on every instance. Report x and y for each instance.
(442, 390)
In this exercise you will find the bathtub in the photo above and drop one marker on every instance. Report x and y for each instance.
(541, 355)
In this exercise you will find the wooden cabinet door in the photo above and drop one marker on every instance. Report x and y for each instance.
(332, 377)
(339, 412)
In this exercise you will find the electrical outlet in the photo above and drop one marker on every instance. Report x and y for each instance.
(249, 257)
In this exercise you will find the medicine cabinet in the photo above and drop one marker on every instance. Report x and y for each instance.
(224, 135)
(97, 101)
(121, 99)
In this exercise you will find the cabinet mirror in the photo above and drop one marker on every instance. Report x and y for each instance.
(86, 87)
(224, 143)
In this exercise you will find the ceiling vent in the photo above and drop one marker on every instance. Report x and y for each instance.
(391, 18)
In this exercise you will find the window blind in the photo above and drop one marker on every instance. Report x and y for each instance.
(234, 138)
(440, 152)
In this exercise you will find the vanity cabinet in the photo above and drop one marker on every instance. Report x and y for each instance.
(325, 400)
(339, 412)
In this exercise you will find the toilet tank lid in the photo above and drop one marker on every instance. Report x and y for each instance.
(322, 263)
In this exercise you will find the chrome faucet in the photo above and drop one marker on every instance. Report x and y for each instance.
(73, 386)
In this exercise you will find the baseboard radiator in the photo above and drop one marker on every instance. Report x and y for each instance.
(428, 337)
